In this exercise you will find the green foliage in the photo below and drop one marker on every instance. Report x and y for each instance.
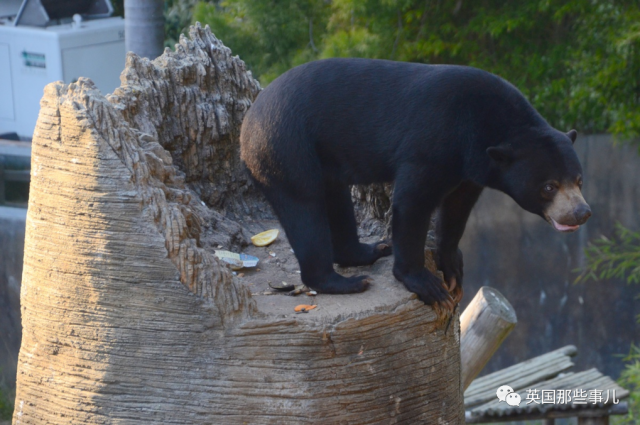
(6, 403)
(578, 61)
(178, 15)
(614, 258)
(630, 379)
(619, 257)
(270, 35)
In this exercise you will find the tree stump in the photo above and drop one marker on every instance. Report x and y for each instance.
(127, 314)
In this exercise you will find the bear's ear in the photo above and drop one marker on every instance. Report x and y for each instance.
(572, 135)
(502, 154)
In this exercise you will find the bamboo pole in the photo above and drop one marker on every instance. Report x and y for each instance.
(484, 324)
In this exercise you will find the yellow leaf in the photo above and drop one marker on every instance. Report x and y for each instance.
(265, 238)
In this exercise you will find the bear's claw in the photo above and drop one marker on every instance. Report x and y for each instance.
(451, 264)
(429, 288)
(384, 248)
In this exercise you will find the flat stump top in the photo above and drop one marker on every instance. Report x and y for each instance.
(384, 293)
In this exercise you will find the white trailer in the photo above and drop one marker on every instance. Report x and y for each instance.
(66, 48)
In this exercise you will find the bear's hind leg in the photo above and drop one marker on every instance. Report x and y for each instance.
(347, 249)
(305, 223)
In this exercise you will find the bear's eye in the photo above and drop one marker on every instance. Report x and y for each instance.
(549, 188)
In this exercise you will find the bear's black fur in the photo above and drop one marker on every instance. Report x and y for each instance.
(441, 132)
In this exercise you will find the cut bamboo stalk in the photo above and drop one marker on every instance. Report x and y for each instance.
(484, 324)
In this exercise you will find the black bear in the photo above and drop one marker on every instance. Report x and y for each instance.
(441, 132)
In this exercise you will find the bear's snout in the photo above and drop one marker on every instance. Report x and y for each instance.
(569, 210)
(582, 214)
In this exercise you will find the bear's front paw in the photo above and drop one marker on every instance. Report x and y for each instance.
(428, 287)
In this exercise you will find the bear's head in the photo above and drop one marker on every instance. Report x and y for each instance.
(541, 172)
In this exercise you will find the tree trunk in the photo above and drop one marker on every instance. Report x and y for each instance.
(127, 314)
(374, 212)
(372, 206)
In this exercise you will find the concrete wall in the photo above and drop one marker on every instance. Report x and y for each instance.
(12, 225)
(532, 265)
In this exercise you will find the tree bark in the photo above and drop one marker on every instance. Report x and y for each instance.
(374, 212)
(127, 314)
(192, 102)
(372, 205)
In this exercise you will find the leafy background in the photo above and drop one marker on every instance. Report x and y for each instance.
(576, 61)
